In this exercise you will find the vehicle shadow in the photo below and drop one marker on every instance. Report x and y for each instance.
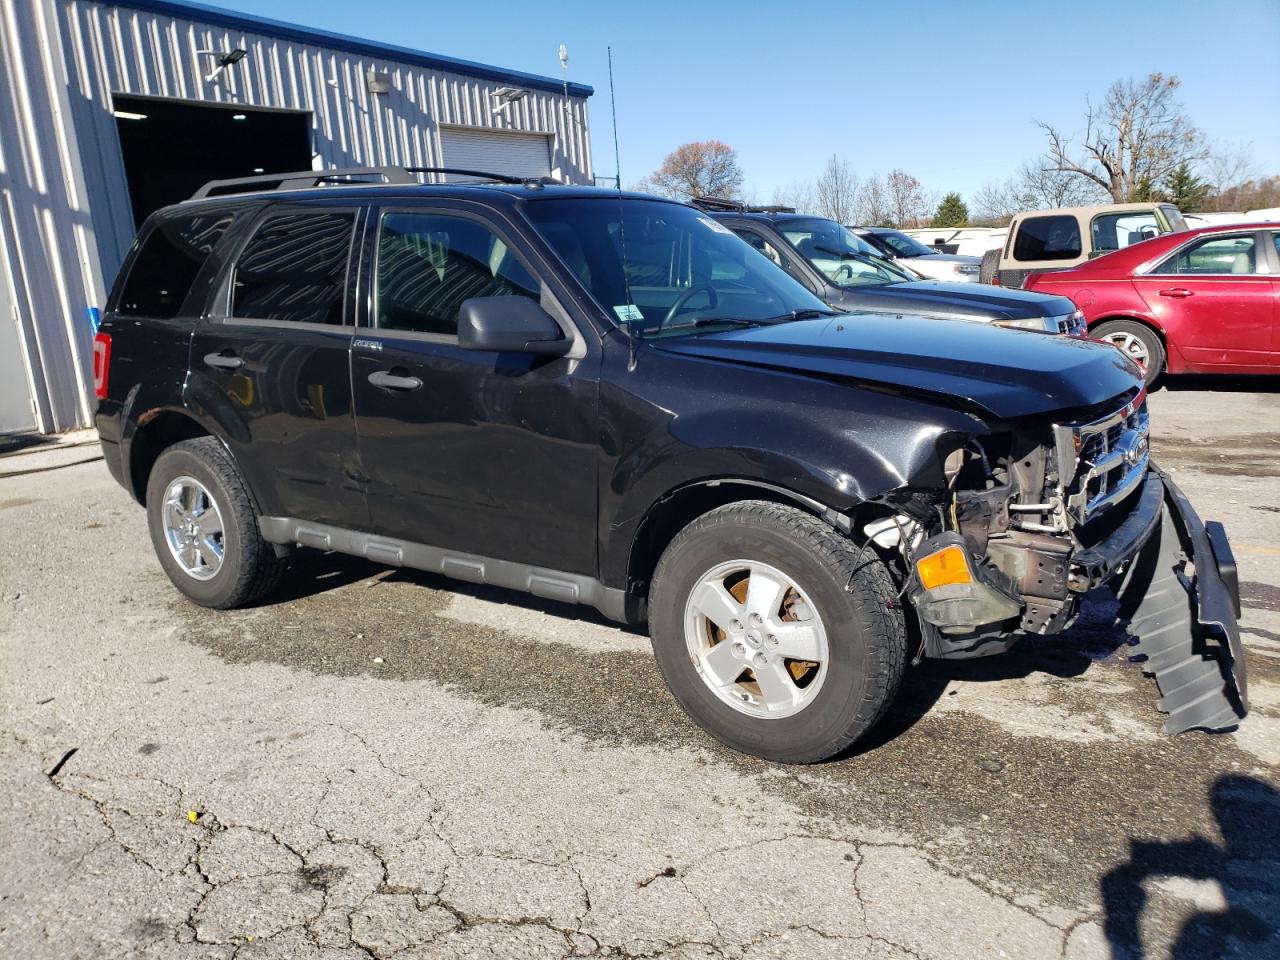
(1219, 383)
(1244, 866)
(312, 572)
(1094, 637)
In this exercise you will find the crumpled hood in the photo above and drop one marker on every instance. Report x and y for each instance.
(1010, 373)
(981, 301)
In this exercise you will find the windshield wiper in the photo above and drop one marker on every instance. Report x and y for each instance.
(807, 314)
(708, 321)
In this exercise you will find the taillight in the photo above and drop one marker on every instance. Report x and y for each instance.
(101, 363)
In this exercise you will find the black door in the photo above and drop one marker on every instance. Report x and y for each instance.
(486, 453)
(272, 363)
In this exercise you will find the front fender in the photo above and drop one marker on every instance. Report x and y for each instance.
(830, 458)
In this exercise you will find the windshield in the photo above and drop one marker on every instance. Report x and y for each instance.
(843, 257)
(903, 245)
(1174, 217)
(662, 269)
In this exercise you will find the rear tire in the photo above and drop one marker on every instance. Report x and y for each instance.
(990, 263)
(815, 588)
(1137, 341)
(204, 527)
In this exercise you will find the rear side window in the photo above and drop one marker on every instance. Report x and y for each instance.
(1115, 231)
(294, 268)
(429, 264)
(1047, 238)
(166, 266)
(1214, 256)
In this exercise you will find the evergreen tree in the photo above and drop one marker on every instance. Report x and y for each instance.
(1186, 191)
(951, 212)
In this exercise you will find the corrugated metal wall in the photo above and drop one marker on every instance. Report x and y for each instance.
(66, 222)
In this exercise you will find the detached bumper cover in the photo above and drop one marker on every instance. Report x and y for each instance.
(1183, 618)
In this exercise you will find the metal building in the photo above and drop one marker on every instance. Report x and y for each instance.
(109, 110)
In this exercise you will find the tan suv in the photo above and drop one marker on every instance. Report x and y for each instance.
(1056, 239)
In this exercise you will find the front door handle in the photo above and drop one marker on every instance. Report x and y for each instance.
(391, 381)
(1177, 293)
(223, 361)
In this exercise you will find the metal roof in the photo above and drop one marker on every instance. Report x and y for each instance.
(340, 41)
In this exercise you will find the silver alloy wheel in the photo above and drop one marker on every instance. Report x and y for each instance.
(193, 528)
(756, 639)
(1131, 345)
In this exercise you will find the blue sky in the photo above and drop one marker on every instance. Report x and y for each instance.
(946, 90)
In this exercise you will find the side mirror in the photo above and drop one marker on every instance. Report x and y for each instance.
(512, 324)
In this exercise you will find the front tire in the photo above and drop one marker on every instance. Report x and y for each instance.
(1138, 342)
(775, 633)
(204, 527)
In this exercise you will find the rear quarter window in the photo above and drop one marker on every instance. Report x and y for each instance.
(1047, 238)
(167, 263)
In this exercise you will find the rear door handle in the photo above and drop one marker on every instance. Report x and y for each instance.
(1177, 293)
(391, 381)
(224, 361)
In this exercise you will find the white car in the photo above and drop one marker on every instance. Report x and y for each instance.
(909, 252)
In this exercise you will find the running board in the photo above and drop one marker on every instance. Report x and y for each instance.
(539, 581)
(1183, 635)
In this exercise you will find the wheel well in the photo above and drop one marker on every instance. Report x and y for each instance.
(151, 440)
(679, 508)
(1138, 320)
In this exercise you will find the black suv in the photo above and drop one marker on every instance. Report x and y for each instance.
(847, 272)
(610, 399)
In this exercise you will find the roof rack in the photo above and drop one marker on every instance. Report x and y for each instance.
(350, 176)
(737, 206)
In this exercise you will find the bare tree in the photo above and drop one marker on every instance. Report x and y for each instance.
(1043, 186)
(996, 203)
(874, 208)
(707, 168)
(1229, 166)
(1262, 193)
(836, 191)
(799, 196)
(1038, 186)
(906, 199)
(1135, 138)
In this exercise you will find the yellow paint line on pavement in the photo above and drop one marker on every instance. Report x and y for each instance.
(1263, 551)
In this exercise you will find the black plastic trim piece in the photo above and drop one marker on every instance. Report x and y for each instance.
(1226, 559)
(539, 581)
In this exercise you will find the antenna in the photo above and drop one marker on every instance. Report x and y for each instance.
(564, 77)
(622, 228)
(613, 110)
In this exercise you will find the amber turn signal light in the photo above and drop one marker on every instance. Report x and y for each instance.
(946, 566)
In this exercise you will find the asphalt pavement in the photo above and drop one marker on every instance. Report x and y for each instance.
(379, 763)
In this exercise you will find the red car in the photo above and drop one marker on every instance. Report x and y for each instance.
(1200, 301)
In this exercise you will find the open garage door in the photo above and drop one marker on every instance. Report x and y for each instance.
(171, 147)
(496, 151)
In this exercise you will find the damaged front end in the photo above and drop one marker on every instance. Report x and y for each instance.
(1034, 518)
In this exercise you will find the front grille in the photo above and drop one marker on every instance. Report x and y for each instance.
(1072, 325)
(1110, 457)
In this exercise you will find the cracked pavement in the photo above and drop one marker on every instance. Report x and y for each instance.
(377, 764)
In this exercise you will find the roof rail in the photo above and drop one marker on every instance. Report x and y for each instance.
(308, 179)
(299, 180)
(737, 206)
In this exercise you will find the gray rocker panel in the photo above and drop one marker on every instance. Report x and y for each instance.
(540, 581)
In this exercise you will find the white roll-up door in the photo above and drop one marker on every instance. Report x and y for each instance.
(496, 151)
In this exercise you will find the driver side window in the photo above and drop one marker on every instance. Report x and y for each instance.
(429, 264)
